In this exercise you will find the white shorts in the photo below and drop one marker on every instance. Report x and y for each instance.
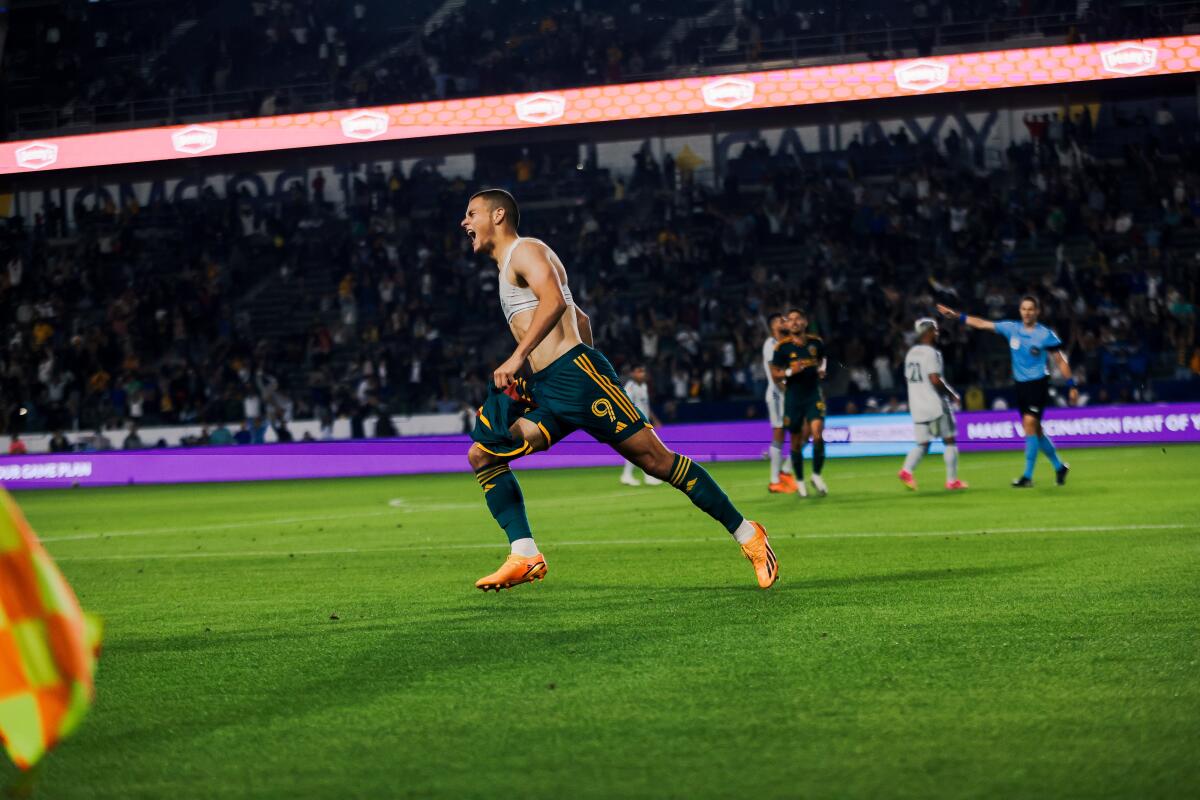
(775, 407)
(941, 428)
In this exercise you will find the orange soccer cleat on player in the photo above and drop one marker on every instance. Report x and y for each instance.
(907, 479)
(759, 553)
(514, 571)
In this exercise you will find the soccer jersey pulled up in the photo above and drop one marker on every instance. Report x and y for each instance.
(924, 401)
(515, 299)
(639, 393)
(803, 354)
(1030, 349)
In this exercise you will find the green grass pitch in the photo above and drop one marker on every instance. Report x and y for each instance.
(324, 639)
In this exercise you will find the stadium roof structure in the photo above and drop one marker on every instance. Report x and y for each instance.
(966, 72)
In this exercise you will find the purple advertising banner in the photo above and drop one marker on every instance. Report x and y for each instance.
(847, 436)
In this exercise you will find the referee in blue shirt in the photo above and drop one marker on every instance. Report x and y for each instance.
(1032, 345)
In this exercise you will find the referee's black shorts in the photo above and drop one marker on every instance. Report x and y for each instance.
(1032, 396)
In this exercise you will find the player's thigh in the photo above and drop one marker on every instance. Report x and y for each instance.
(1032, 424)
(525, 437)
(587, 396)
(922, 433)
(534, 433)
(775, 410)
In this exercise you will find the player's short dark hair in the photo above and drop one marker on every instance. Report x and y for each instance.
(1036, 303)
(498, 198)
(774, 315)
(799, 311)
(636, 366)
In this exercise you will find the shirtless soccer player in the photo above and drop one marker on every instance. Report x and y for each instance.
(572, 387)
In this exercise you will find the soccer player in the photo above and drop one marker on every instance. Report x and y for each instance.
(639, 393)
(572, 386)
(799, 361)
(929, 399)
(781, 481)
(1031, 346)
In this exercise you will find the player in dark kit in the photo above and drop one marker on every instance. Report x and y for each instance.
(799, 361)
(573, 386)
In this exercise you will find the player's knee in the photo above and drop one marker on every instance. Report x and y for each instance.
(658, 464)
(951, 442)
(480, 458)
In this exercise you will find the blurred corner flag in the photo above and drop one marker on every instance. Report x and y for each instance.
(48, 646)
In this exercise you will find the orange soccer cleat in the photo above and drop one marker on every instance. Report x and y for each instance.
(759, 553)
(956, 485)
(514, 571)
(907, 479)
(779, 488)
(788, 480)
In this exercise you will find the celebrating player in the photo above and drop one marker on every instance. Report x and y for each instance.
(639, 393)
(781, 468)
(799, 360)
(573, 386)
(929, 399)
(1031, 345)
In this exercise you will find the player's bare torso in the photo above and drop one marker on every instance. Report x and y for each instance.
(564, 335)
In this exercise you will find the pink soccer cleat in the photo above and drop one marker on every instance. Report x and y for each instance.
(956, 485)
(907, 479)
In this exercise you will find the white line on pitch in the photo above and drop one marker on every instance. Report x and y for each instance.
(621, 542)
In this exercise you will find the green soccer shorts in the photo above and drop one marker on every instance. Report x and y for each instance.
(801, 408)
(579, 390)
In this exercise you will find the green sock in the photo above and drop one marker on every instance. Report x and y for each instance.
(504, 500)
(694, 481)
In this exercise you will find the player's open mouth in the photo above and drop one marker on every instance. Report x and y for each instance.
(471, 234)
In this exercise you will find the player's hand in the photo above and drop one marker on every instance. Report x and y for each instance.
(821, 374)
(947, 311)
(1073, 396)
(506, 373)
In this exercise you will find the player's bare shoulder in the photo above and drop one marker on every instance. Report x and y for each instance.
(529, 253)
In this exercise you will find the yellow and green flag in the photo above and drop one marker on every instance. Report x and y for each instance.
(48, 646)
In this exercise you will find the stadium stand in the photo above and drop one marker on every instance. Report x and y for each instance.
(300, 308)
(75, 66)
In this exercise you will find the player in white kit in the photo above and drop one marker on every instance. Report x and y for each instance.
(929, 399)
(639, 393)
(782, 481)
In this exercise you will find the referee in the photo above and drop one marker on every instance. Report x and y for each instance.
(1031, 345)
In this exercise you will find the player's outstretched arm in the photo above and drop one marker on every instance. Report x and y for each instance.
(978, 323)
(1064, 367)
(539, 274)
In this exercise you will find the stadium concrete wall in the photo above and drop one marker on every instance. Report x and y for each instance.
(846, 437)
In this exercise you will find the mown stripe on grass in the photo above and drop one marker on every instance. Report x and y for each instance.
(621, 542)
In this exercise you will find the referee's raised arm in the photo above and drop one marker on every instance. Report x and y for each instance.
(978, 323)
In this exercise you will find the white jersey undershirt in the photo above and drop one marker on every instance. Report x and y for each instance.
(515, 299)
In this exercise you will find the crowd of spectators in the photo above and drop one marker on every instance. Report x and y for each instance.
(139, 315)
(149, 60)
